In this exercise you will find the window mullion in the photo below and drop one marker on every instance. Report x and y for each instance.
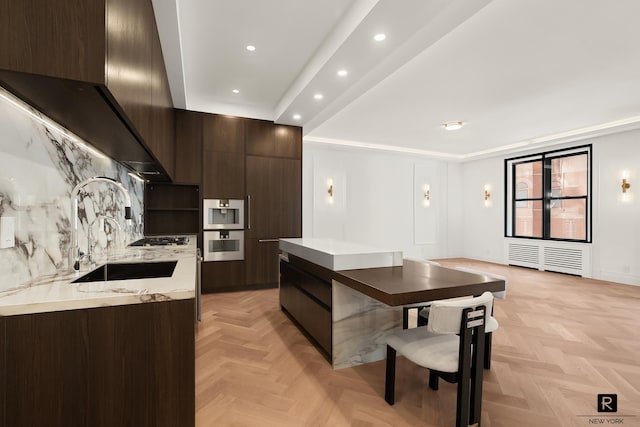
(546, 194)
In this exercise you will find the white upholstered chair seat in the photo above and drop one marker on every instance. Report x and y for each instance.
(437, 351)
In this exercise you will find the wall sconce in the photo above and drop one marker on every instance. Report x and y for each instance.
(426, 195)
(625, 186)
(487, 195)
(330, 191)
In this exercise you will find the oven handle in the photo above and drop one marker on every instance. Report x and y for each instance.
(248, 212)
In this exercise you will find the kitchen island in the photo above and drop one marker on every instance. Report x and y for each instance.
(101, 353)
(347, 298)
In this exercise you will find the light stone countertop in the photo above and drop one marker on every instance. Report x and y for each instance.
(56, 292)
(339, 255)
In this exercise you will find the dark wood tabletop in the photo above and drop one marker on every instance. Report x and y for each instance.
(416, 282)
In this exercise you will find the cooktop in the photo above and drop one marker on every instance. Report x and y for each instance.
(161, 241)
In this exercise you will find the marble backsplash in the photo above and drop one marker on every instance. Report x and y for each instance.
(40, 164)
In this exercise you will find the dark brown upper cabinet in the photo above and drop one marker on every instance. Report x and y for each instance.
(95, 67)
(223, 163)
(268, 139)
(224, 133)
(260, 138)
(188, 147)
(288, 141)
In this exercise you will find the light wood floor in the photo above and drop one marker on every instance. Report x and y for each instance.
(562, 340)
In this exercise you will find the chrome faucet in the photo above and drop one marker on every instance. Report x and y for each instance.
(74, 250)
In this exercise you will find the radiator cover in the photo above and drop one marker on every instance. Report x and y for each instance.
(562, 257)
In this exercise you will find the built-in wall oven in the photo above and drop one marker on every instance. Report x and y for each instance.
(223, 245)
(223, 225)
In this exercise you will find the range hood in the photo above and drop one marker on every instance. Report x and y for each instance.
(90, 111)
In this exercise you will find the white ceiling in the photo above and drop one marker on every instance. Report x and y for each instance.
(516, 72)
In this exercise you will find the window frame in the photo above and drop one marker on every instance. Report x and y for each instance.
(547, 198)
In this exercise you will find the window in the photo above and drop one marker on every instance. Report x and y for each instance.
(549, 195)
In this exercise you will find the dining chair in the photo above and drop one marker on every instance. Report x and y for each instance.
(492, 323)
(421, 321)
(451, 347)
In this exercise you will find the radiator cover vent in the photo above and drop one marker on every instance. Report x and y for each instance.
(524, 253)
(562, 257)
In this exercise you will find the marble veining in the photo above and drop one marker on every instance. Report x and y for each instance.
(360, 326)
(40, 164)
(55, 292)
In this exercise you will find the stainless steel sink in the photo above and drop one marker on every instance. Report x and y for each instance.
(129, 271)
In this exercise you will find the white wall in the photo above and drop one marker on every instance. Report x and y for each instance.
(483, 225)
(616, 224)
(378, 200)
(375, 196)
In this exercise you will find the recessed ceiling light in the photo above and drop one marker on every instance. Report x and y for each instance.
(379, 37)
(235, 91)
(318, 96)
(453, 125)
(342, 73)
(251, 47)
(296, 117)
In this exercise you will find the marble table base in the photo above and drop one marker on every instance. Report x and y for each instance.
(360, 325)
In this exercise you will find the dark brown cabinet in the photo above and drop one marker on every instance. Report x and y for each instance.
(261, 263)
(274, 186)
(290, 216)
(108, 366)
(223, 157)
(222, 276)
(264, 192)
(254, 160)
(172, 209)
(96, 67)
(308, 300)
(188, 146)
(274, 189)
(268, 139)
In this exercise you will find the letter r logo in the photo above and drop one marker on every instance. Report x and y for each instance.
(607, 403)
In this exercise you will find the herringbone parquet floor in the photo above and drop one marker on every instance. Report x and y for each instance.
(562, 341)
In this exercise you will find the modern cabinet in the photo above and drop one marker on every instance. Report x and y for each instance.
(188, 146)
(172, 209)
(268, 139)
(308, 299)
(261, 263)
(253, 160)
(96, 67)
(108, 366)
(220, 276)
(264, 192)
(223, 163)
(274, 188)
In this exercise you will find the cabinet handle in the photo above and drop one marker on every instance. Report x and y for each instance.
(268, 240)
(248, 212)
